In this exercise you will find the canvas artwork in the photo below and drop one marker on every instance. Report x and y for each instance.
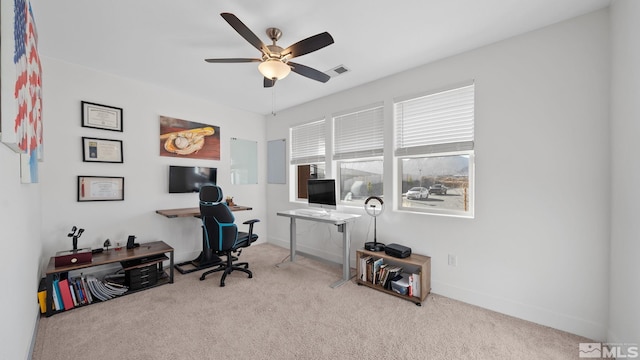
(188, 139)
(21, 123)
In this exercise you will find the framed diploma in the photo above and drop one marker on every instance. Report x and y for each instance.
(101, 116)
(100, 188)
(101, 150)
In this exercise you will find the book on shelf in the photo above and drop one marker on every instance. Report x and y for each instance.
(82, 300)
(363, 267)
(104, 291)
(369, 269)
(57, 300)
(393, 272)
(73, 294)
(67, 301)
(381, 273)
(375, 274)
(85, 289)
(415, 284)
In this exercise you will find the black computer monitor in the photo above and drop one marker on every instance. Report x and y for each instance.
(321, 193)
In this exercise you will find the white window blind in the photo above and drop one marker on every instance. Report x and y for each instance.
(359, 134)
(439, 122)
(307, 143)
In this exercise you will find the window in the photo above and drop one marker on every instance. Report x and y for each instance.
(359, 180)
(306, 172)
(307, 154)
(434, 151)
(358, 147)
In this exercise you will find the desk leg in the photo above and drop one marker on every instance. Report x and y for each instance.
(171, 267)
(346, 244)
(49, 297)
(292, 239)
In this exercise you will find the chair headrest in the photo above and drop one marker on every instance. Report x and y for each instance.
(211, 193)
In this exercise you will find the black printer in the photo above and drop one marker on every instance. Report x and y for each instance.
(397, 250)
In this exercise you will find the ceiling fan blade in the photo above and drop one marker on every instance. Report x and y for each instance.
(245, 32)
(311, 73)
(308, 45)
(232, 60)
(269, 82)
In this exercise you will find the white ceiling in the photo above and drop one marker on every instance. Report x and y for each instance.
(165, 42)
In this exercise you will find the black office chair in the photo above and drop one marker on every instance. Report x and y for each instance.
(221, 233)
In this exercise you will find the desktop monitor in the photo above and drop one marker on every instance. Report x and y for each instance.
(188, 179)
(322, 193)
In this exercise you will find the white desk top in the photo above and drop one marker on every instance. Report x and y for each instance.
(334, 217)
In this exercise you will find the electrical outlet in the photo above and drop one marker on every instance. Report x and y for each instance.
(453, 260)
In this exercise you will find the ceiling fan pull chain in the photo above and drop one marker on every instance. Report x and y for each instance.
(273, 101)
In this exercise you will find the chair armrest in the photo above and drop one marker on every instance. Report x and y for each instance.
(250, 223)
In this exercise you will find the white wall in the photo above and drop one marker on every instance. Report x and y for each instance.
(538, 246)
(625, 247)
(144, 170)
(19, 274)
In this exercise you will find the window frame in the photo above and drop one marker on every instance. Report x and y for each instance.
(470, 196)
(348, 148)
(460, 141)
(306, 158)
(338, 164)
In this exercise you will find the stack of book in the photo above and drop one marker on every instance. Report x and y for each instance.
(105, 290)
(376, 271)
(82, 290)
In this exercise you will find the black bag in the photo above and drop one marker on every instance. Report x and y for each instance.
(397, 250)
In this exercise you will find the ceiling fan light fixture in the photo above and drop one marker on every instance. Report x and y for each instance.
(274, 69)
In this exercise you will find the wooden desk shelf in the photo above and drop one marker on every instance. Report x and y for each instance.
(147, 254)
(414, 264)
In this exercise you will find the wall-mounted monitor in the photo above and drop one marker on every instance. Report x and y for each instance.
(321, 193)
(188, 179)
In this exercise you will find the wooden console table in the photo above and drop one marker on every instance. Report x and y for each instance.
(207, 258)
(111, 256)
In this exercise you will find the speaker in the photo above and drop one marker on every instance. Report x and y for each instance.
(131, 242)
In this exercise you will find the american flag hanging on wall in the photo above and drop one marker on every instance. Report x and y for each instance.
(28, 89)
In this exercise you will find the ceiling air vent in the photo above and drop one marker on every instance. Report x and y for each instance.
(338, 70)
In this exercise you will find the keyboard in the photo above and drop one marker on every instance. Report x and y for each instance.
(315, 213)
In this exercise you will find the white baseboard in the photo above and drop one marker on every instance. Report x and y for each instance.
(538, 315)
(532, 313)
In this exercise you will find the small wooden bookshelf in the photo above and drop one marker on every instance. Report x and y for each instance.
(415, 264)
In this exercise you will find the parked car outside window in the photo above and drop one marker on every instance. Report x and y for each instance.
(438, 189)
(418, 192)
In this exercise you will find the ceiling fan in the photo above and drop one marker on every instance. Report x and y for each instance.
(275, 62)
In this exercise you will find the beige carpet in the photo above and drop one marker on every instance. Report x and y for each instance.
(289, 312)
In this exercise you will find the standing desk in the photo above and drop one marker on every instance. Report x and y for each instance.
(207, 258)
(341, 220)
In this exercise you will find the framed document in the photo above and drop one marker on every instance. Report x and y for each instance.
(101, 150)
(100, 188)
(101, 116)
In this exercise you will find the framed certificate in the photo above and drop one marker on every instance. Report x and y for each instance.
(100, 188)
(101, 150)
(101, 116)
